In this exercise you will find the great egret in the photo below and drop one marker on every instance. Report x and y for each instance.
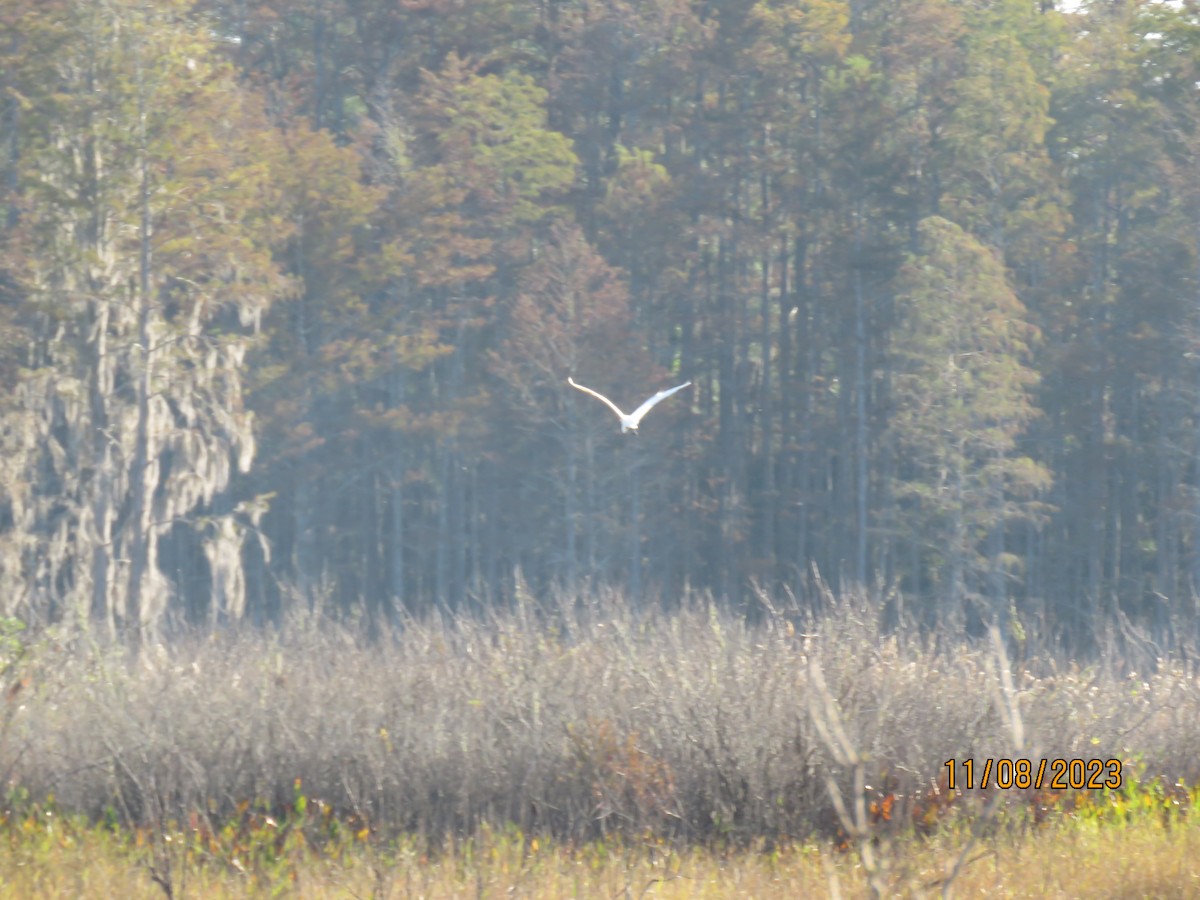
(630, 422)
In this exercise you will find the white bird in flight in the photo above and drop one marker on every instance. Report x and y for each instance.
(630, 422)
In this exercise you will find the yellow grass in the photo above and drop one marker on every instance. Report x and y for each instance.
(1075, 859)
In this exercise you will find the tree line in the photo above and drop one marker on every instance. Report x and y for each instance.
(290, 291)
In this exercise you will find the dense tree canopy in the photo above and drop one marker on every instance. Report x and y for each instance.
(289, 293)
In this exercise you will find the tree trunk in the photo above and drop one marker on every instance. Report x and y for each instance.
(141, 535)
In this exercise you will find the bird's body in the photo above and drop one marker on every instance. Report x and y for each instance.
(630, 422)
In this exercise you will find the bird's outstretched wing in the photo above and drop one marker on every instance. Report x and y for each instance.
(608, 402)
(653, 401)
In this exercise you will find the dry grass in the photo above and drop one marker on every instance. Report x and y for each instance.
(1072, 861)
(579, 722)
(692, 740)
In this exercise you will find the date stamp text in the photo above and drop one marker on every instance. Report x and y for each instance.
(1051, 774)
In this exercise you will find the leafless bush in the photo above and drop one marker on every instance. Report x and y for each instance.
(578, 718)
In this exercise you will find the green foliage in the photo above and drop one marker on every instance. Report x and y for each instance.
(998, 175)
(1139, 800)
(963, 392)
(808, 34)
(13, 642)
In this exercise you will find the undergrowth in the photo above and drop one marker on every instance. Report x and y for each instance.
(307, 851)
(574, 724)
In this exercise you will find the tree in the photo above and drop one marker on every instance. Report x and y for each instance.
(571, 317)
(995, 169)
(1113, 387)
(144, 250)
(963, 397)
(407, 246)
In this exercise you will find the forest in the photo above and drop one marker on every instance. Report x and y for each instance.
(290, 291)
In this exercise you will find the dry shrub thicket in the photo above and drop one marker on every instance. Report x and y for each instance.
(579, 719)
